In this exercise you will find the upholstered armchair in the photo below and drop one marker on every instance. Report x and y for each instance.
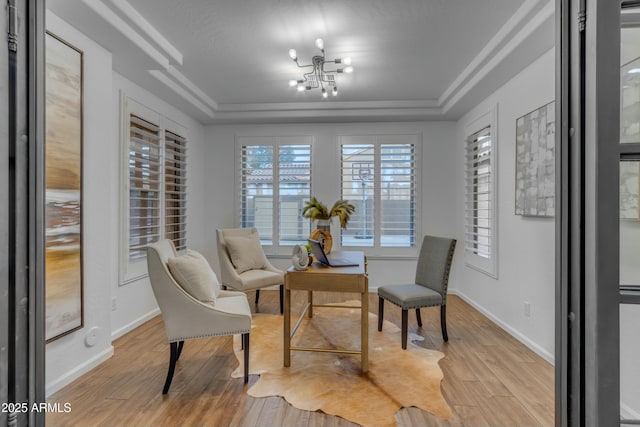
(429, 289)
(197, 308)
(243, 265)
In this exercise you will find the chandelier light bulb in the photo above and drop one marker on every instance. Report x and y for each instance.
(320, 44)
(292, 83)
(335, 91)
(292, 54)
(348, 69)
(346, 61)
(324, 93)
(300, 88)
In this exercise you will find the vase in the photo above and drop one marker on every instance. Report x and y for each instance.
(324, 224)
(322, 234)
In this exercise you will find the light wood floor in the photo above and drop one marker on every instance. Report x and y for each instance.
(490, 379)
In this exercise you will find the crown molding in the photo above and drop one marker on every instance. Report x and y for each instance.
(149, 30)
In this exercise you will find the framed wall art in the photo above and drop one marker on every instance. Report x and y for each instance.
(63, 188)
(630, 190)
(630, 102)
(535, 162)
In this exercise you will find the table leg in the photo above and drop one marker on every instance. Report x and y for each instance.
(287, 327)
(310, 300)
(364, 338)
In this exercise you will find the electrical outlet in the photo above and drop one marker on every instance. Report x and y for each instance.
(527, 309)
(114, 304)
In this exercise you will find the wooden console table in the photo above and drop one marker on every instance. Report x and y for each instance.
(320, 278)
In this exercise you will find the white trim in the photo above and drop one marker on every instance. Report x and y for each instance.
(134, 324)
(127, 31)
(78, 371)
(153, 34)
(161, 76)
(533, 346)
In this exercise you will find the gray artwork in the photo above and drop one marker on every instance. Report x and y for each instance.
(535, 162)
(629, 189)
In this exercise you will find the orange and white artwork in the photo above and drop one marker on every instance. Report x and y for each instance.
(63, 194)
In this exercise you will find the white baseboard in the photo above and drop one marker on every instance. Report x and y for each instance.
(513, 332)
(78, 371)
(134, 324)
(626, 413)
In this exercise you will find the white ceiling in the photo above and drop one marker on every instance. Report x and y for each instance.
(227, 61)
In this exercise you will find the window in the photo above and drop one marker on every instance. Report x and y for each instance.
(275, 184)
(156, 169)
(480, 197)
(144, 185)
(379, 178)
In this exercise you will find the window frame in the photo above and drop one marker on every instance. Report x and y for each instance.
(133, 270)
(488, 119)
(275, 248)
(377, 140)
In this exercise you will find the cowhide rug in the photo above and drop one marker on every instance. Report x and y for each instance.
(333, 383)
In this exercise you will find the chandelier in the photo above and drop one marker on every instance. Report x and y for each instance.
(318, 76)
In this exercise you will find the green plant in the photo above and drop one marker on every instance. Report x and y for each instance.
(315, 209)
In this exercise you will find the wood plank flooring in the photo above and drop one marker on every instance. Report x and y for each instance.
(490, 379)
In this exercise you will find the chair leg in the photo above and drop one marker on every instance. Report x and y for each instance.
(172, 366)
(418, 317)
(281, 299)
(380, 312)
(443, 322)
(245, 342)
(405, 318)
(224, 287)
(257, 295)
(180, 344)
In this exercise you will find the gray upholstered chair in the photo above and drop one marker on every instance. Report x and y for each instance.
(186, 317)
(243, 279)
(429, 289)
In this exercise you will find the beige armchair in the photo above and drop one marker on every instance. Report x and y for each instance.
(256, 271)
(186, 317)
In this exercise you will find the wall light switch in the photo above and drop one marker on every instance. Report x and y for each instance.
(527, 309)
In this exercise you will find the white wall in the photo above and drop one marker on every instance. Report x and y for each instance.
(526, 248)
(134, 301)
(69, 356)
(437, 166)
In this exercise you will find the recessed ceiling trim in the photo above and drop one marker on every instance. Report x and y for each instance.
(314, 115)
(126, 30)
(148, 29)
(517, 20)
(333, 105)
(547, 12)
(163, 78)
(172, 71)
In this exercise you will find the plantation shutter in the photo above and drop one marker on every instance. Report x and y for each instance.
(397, 195)
(294, 190)
(358, 187)
(479, 197)
(144, 185)
(175, 189)
(256, 201)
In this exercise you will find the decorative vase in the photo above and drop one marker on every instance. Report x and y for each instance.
(324, 224)
(322, 234)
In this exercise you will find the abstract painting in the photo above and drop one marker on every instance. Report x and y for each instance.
(535, 162)
(63, 193)
(629, 190)
(630, 102)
